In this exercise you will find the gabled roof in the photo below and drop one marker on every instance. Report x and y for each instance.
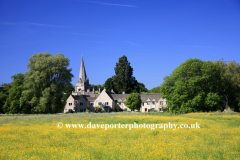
(89, 98)
(75, 97)
(151, 96)
(116, 97)
(144, 97)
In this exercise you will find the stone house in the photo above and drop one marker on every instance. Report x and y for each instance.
(82, 98)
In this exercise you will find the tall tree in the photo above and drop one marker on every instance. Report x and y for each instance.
(230, 72)
(193, 86)
(45, 82)
(123, 79)
(12, 104)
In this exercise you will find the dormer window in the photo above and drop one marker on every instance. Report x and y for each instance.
(69, 104)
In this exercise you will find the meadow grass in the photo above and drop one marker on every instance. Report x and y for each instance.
(37, 137)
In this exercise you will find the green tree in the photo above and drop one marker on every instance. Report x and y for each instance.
(230, 72)
(12, 104)
(140, 87)
(155, 90)
(193, 86)
(96, 87)
(109, 84)
(123, 79)
(45, 82)
(133, 101)
(4, 93)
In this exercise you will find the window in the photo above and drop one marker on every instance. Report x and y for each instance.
(99, 103)
(106, 103)
(91, 104)
(81, 104)
(160, 109)
(70, 104)
(143, 104)
(153, 102)
(81, 110)
(161, 102)
(119, 103)
(148, 103)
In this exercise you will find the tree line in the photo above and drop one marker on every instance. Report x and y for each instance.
(45, 87)
(198, 85)
(41, 89)
(195, 85)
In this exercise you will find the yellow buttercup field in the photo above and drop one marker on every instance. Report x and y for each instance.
(39, 137)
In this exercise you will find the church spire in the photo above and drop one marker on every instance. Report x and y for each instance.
(82, 74)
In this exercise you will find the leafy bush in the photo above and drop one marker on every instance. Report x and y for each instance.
(97, 109)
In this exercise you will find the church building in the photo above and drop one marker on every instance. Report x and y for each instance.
(82, 98)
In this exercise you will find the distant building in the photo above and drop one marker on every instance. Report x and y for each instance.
(82, 98)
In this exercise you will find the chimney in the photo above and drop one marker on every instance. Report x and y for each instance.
(99, 91)
(93, 90)
(123, 92)
(111, 90)
(104, 89)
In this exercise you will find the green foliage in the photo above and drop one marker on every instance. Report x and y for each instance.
(4, 92)
(97, 109)
(12, 104)
(109, 84)
(230, 74)
(193, 86)
(96, 87)
(140, 88)
(123, 79)
(45, 82)
(133, 101)
(155, 90)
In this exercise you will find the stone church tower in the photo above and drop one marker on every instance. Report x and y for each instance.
(82, 85)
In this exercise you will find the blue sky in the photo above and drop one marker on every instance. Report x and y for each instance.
(156, 36)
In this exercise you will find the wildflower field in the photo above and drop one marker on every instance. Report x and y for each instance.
(38, 137)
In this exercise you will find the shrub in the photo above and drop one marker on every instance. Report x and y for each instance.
(97, 109)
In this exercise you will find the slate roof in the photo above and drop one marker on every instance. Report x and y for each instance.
(119, 96)
(86, 97)
(144, 97)
(116, 97)
(90, 99)
(151, 96)
(75, 97)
